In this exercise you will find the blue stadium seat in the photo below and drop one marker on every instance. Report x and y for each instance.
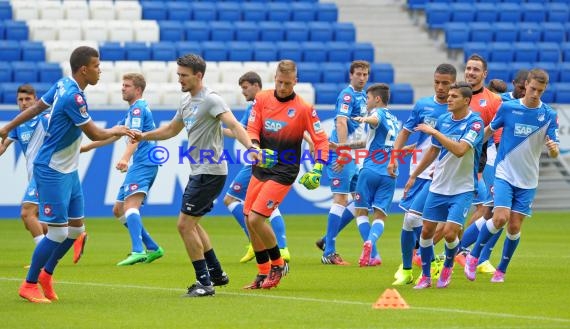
(5, 71)
(332, 72)
(197, 31)
(525, 52)
(240, 51)
(309, 72)
(5, 10)
(533, 12)
(271, 31)
(214, 51)
(529, 32)
(558, 12)
(303, 12)
(517, 66)
(481, 48)
(562, 93)
(401, 93)
(327, 12)
(178, 11)
(509, 12)
(221, 31)
(344, 31)
(416, 4)
(10, 92)
(49, 72)
(229, 11)
(462, 12)
(564, 69)
(254, 12)
(339, 51)
(11, 50)
(565, 48)
(497, 70)
(202, 11)
(553, 32)
(321, 31)
(290, 50)
(264, 52)
(326, 93)
(502, 52)
(16, 30)
(137, 51)
(278, 12)
(246, 31)
(112, 51)
(163, 51)
(296, 31)
(153, 10)
(552, 68)
(2, 34)
(486, 12)
(171, 30)
(481, 32)
(363, 51)
(505, 32)
(25, 72)
(42, 88)
(548, 52)
(381, 72)
(456, 34)
(437, 14)
(187, 47)
(314, 51)
(549, 94)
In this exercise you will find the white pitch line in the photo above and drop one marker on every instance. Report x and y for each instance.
(308, 299)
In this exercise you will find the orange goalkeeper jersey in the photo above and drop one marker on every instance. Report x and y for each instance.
(279, 125)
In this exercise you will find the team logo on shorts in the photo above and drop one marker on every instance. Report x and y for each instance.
(48, 210)
(137, 111)
(133, 187)
(32, 192)
(270, 204)
(291, 113)
(357, 196)
(336, 182)
(236, 187)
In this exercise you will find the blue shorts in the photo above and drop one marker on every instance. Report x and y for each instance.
(60, 195)
(447, 208)
(139, 180)
(200, 194)
(480, 195)
(31, 195)
(374, 190)
(512, 197)
(416, 189)
(345, 180)
(489, 178)
(419, 202)
(238, 187)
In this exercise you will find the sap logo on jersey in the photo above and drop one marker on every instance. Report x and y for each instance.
(274, 125)
(522, 130)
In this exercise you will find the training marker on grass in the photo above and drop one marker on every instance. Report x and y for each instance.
(390, 298)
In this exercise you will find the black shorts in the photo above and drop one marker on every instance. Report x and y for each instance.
(200, 193)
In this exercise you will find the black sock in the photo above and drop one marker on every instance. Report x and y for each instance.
(202, 272)
(214, 266)
(274, 253)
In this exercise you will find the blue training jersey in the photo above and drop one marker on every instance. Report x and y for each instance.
(455, 175)
(350, 103)
(139, 118)
(245, 117)
(426, 110)
(30, 136)
(380, 141)
(508, 96)
(60, 150)
(524, 134)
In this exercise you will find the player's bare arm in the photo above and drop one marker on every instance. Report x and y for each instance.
(97, 144)
(123, 164)
(230, 121)
(98, 134)
(161, 133)
(552, 146)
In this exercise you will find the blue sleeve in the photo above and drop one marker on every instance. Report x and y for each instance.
(552, 131)
(76, 108)
(13, 134)
(245, 116)
(413, 120)
(473, 135)
(137, 115)
(49, 96)
(344, 104)
(434, 141)
(499, 119)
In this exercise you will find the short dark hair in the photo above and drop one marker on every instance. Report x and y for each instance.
(27, 89)
(477, 57)
(81, 56)
(539, 75)
(497, 86)
(250, 77)
(193, 61)
(446, 69)
(359, 64)
(521, 76)
(464, 89)
(380, 89)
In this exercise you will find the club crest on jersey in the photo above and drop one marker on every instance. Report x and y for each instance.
(347, 98)
(136, 112)
(522, 130)
(291, 113)
(540, 117)
(274, 125)
(317, 127)
(482, 102)
(270, 204)
(48, 210)
(79, 100)
(251, 116)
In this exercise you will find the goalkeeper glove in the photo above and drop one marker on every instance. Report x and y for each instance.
(312, 179)
(268, 157)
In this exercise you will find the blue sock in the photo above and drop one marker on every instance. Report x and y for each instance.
(347, 216)
(332, 228)
(488, 249)
(58, 254)
(484, 236)
(427, 256)
(509, 247)
(407, 243)
(134, 224)
(278, 225)
(148, 241)
(470, 236)
(375, 233)
(236, 208)
(363, 227)
(450, 252)
(41, 254)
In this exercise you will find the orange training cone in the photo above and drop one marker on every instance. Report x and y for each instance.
(390, 298)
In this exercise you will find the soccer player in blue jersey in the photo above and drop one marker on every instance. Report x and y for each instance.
(55, 168)
(427, 110)
(140, 175)
(456, 143)
(528, 125)
(251, 84)
(351, 103)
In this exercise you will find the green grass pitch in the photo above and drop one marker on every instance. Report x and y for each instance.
(96, 293)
